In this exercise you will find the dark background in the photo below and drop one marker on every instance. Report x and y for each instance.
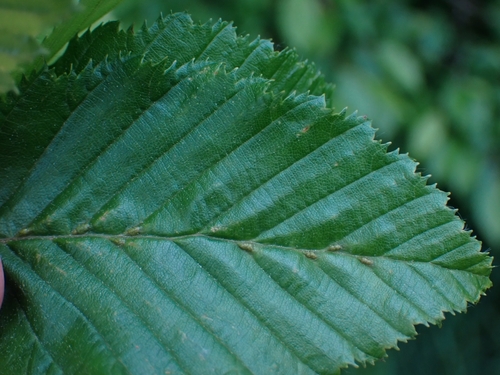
(427, 74)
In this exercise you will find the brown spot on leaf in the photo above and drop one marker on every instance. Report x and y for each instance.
(245, 246)
(366, 261)
(310, 255)
(334, 248)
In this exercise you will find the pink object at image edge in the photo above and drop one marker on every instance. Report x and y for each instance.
(2, 283)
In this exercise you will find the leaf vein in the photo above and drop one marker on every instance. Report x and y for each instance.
(37, 338)
(154, 160)
(124, 303)
(262, 183)
(185, 308)
(213, 165)
(358, 298)
(428, 282)
(82, 314)
(319, 315)
(328, 194)
(28, 173)
(248, 308)
(410, 302)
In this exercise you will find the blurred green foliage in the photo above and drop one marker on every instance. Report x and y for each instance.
(20, 23)
(427, 73)
(34, 31)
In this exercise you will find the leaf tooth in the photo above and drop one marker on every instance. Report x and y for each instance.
(342, 114)
(352, 116)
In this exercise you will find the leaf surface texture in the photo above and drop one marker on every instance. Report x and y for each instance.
(181, 200)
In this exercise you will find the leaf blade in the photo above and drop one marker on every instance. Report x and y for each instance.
(255, 221)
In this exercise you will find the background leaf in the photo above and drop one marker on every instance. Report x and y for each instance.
(90, 11)
(22, 23)
(228, 221)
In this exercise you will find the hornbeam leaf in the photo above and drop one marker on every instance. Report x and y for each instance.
(89, 11)
(182, 204)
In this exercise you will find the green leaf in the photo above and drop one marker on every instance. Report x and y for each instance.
(90, 11)
(183, 206)
(176, 38)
